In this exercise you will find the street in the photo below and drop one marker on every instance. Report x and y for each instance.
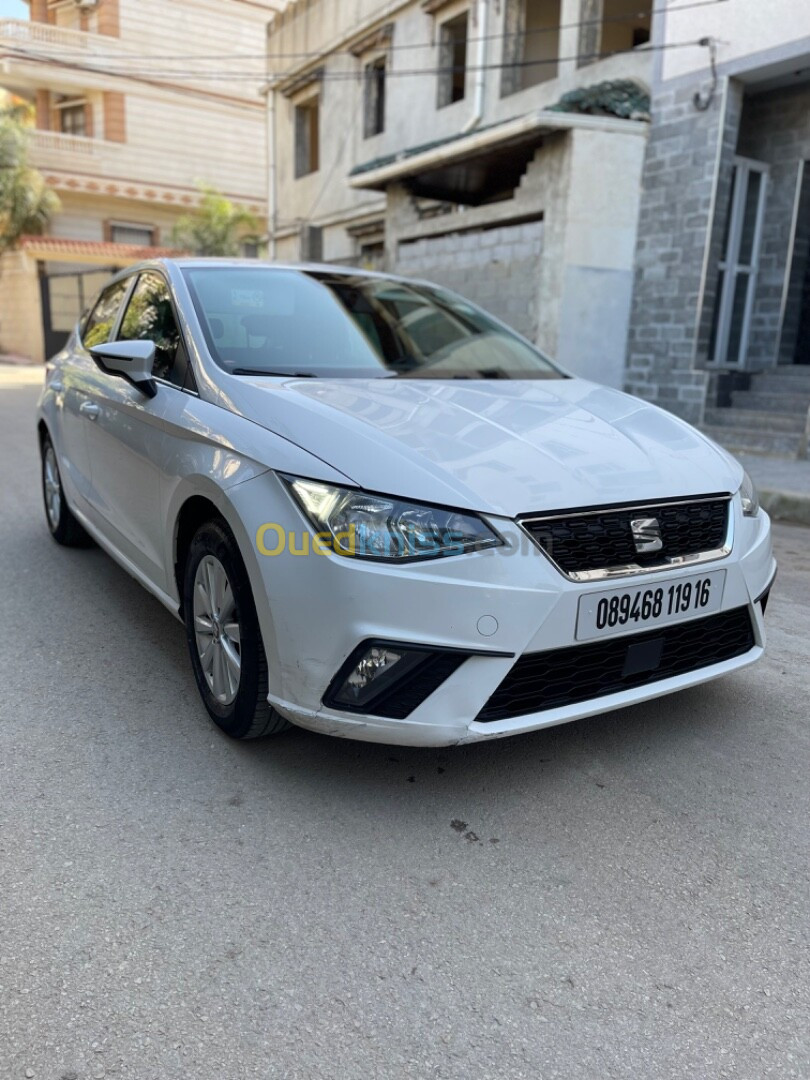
(625, 896)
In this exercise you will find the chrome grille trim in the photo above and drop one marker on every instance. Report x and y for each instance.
(674, 562)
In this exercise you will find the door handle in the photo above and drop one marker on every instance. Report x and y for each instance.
(90, 410)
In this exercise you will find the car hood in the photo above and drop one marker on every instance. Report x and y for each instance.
(500, 447)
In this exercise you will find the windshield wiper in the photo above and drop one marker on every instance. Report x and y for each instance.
(267, 371)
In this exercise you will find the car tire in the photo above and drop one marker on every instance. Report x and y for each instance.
(63, 526)
(224, 639)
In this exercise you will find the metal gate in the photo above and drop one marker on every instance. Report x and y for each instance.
(65, 295)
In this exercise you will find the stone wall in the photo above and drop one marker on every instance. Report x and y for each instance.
(686, 173)
(685, 205)
(21, 308)
(495, 268)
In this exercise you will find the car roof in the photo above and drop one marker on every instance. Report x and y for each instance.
(191, 262)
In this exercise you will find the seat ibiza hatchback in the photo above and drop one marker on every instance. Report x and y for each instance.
(382, 514)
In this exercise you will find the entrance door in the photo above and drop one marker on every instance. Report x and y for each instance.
(739, 263)
(794, 344)
(65, 294)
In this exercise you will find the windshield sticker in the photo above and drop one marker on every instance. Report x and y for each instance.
(247, 298)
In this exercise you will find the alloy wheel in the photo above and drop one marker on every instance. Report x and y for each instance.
(216, 630)
(53, 488)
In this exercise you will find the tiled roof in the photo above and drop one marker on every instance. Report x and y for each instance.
(93, 250)
(412, 151)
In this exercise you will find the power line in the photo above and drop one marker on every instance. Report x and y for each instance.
(410, 46)
(145, 74)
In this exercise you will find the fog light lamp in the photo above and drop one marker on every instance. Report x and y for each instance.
(372, 671)
(389, 678)
(376, 661)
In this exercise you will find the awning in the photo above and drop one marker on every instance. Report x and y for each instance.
(474, 167)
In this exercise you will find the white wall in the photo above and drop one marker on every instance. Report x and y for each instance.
(741, 27)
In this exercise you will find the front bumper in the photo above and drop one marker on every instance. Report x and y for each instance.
(498, 604)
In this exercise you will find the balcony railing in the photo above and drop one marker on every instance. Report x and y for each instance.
(21, 32)
(47, 143)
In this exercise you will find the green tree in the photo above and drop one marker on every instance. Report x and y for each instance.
(26, 204)
(217, 227)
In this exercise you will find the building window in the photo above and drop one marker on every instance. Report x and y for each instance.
(307, 136)
(453, 59)
(625, 25)
(620, 26)
(794, 345)
(531, 43)
(374, 103)
(372, 255)
(125, 233)
(73, 118)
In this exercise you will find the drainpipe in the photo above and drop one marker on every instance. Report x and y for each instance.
(480, 67)
(269, 92)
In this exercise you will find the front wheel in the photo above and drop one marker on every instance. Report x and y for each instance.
(64, 527)
(224, 640)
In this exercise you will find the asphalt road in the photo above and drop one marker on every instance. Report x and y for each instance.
(620, 897)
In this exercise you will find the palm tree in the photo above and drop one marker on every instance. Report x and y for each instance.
(217, 227)
(26, 204)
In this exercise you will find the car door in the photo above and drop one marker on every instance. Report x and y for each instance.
(126, 436)
(76, 370)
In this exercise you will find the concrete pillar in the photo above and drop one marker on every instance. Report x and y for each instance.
(569, 37)
(400, 217)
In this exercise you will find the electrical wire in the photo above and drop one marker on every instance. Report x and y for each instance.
(335, 76)
(410, 46)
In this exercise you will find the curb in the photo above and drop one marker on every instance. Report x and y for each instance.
(788, 506)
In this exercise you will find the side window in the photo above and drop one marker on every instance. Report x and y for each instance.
(150, 317)
(99, 326)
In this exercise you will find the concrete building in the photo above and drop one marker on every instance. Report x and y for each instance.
(420, 137)
(136, 102)
(721, 311)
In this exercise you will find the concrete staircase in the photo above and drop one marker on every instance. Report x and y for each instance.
(770, 417)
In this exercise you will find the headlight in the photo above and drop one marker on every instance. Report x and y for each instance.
(748, 496)
(377, 527)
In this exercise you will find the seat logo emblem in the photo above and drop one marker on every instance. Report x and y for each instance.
(646, 535)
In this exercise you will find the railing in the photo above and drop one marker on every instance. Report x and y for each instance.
(45, 142)
(22, 32)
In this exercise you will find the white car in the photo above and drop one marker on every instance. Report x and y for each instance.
(382, 514)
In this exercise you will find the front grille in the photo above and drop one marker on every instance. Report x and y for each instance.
(602, 539)
(548, 680)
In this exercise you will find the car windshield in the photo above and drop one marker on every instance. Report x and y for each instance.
(268, 321)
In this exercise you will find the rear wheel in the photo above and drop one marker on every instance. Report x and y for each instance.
(224, 640)
(64, 527)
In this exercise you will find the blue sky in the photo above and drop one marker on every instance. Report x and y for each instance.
(13, 9)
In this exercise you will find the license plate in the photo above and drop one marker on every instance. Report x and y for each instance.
(641, 607)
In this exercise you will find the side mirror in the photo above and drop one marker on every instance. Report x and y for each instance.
(132, 360)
